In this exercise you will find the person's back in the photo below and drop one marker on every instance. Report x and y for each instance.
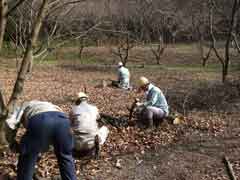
(84, 123)
(35, 107)
(124, 77)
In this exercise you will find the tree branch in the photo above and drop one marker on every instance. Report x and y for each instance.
(14, 7)
(62, 5)
(213, 40)
(236, 42)
(229, 168)
(27, 59)
(2, 103)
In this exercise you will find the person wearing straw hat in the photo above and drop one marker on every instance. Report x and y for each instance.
(85, 127)
(45, 124)
(123, 77)
(155, 107)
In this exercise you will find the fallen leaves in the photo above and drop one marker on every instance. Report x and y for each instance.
(60, 86)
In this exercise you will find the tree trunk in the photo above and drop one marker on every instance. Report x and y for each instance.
(3, 140)
(235, 9)
(26, 62)
(28, 55)
(224, 73)
(3, 20)
(81, 47)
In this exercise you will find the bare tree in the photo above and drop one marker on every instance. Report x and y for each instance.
(225, 65)
(229, 33)
(159, 50)
(123, 49)
(5, 11)
(82, 45)
(200, 15)
(19, 83)
(225, 60)
(201, 44)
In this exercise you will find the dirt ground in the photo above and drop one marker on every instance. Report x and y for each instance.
(191, 150)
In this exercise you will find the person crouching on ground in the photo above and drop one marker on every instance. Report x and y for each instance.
(123, 77)
(45, 124)
(85, 127)
(155, 108)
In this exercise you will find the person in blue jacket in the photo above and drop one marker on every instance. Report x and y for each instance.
(155, 107)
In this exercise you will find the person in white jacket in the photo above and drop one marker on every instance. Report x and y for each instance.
(123, 79)
(85, 127)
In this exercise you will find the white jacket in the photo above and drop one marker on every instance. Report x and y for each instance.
(123, 77)
(84, 123)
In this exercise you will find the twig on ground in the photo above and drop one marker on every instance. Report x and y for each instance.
(229, 168)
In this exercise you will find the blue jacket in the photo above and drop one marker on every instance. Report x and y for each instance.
(155, 97)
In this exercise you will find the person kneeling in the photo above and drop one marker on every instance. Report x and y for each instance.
(155, 108)
(87, 136)
(123, 81)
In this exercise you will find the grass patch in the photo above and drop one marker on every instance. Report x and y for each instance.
(90, 60)
(177, 67)
(9, 52)
(46, 62)
(73, 43)
(195, 67)
(52, 59)
(185, 46)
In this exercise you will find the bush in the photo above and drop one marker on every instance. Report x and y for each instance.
(206, 96)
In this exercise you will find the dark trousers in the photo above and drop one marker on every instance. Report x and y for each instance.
(44, 129)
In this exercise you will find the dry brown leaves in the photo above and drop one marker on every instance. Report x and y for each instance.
(60, 86)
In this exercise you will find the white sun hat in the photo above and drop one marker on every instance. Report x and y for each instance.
(82, 95)
(120, 64)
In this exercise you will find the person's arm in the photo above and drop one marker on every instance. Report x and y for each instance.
(98, 116)
(11, 139)
(11, 126)
(153, 99)
(10, 134)
(120, 75)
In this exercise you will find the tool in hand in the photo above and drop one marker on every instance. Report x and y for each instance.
(131, 110)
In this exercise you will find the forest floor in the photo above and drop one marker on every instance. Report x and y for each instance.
(193, 149)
